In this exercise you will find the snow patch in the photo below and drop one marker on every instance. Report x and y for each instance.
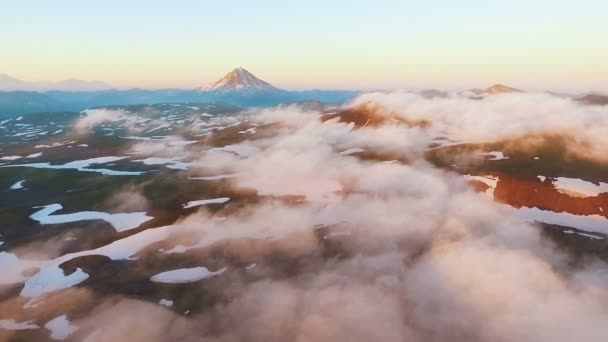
(171, 163)
(120, 222)
(166, 302)
(44, 281)
(495, 155)
(83, 165)
(589, 223)
(159, 127)
(18, 185)
(575, 187)
(217, 177)
(242, 150)
(185, 275)
(10, 158)
(352, 151)
(10, 324)
(219, 200)
(52, 279)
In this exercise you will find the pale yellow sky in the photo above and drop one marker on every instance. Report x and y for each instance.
(391, 44)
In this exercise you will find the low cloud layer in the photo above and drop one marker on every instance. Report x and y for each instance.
(94, 117)
(497, 117)
(381, 249)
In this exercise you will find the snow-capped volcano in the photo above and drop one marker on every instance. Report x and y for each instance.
(500, 88)
(495, 89)
(239, 79)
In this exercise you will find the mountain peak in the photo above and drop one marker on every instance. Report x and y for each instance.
(239, 79)
(501, 88)
(495, 89)
(4, 76)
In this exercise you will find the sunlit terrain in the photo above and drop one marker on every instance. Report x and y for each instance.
(417, 211)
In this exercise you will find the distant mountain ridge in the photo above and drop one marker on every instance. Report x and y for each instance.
(9, 83)
(239, 87)
(21, 102)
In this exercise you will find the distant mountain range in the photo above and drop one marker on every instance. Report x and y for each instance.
(239, 87)
(9, 83)
(20, 102)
